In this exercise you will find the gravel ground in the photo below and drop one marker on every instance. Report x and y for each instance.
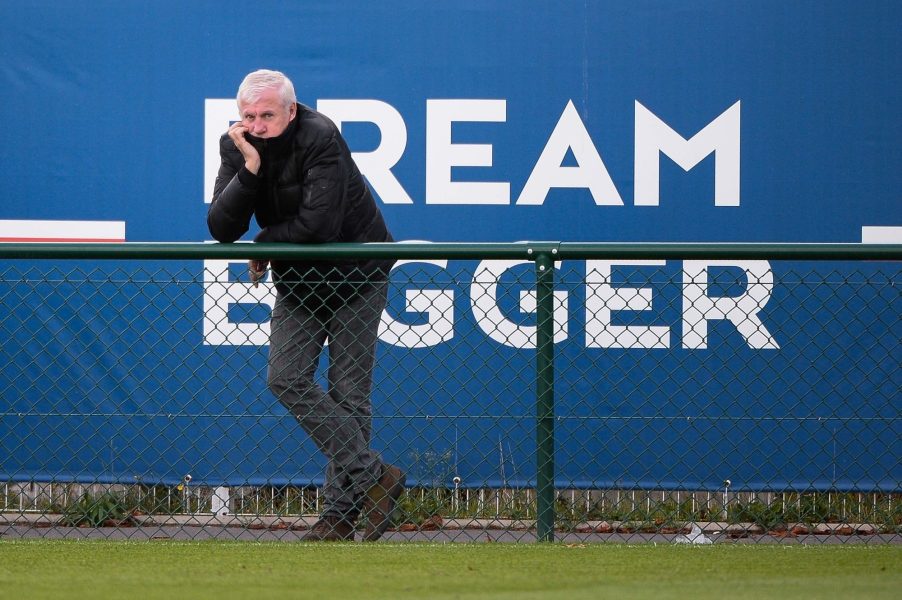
(293, 532)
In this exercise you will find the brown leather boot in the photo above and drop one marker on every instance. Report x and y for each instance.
(330, 529)
(380, 501)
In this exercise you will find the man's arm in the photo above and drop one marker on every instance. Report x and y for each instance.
(236, 186)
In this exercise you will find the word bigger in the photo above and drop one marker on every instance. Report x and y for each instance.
(429, 311)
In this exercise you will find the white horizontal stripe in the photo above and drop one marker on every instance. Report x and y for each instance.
(62, 230)
(881, 235)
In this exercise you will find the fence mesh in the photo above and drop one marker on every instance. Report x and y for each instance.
(694, 401)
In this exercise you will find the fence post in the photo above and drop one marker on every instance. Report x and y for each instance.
(545, 397)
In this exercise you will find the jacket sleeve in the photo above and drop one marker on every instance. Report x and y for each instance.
(321, 209)
(232, 207)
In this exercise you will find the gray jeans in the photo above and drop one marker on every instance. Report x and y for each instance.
(337, 420)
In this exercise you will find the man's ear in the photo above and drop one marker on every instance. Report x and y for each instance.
(293, 111)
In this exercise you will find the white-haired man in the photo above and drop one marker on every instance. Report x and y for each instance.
(289, 167)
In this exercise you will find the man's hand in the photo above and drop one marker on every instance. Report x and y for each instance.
(257, 269)
(250, 154)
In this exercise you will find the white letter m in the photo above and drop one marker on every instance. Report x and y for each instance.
(654, 136)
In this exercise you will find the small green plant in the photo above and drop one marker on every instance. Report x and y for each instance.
(668, 515)
(766, 516)
(519, 505)
(107, 509)
(892, 520)
(417, 505)
(602, 511)
(566, 516)
(432, 466)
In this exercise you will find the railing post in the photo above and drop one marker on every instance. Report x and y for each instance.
(545, 397)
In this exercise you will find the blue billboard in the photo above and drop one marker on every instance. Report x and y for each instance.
(644, 121)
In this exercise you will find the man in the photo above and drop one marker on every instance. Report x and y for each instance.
(288, 166)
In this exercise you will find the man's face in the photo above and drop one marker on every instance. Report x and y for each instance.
(267, 117)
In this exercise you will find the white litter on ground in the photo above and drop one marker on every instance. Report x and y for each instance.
(695, 536)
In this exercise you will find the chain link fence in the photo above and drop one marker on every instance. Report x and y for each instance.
(582, 392)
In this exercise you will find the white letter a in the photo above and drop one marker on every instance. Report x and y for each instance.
(570, 134)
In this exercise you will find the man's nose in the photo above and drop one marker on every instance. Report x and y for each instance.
(258, 127)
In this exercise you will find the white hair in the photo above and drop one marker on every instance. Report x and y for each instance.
(259, 81)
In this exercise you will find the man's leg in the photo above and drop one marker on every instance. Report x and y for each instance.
(296, 342)
(353, 331)
(352, 347)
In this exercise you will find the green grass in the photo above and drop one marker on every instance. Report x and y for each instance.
(196, 570)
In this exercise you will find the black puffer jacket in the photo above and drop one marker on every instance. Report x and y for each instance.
(308, 190)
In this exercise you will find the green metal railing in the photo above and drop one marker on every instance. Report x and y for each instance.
(544, 255)
(455, 250)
